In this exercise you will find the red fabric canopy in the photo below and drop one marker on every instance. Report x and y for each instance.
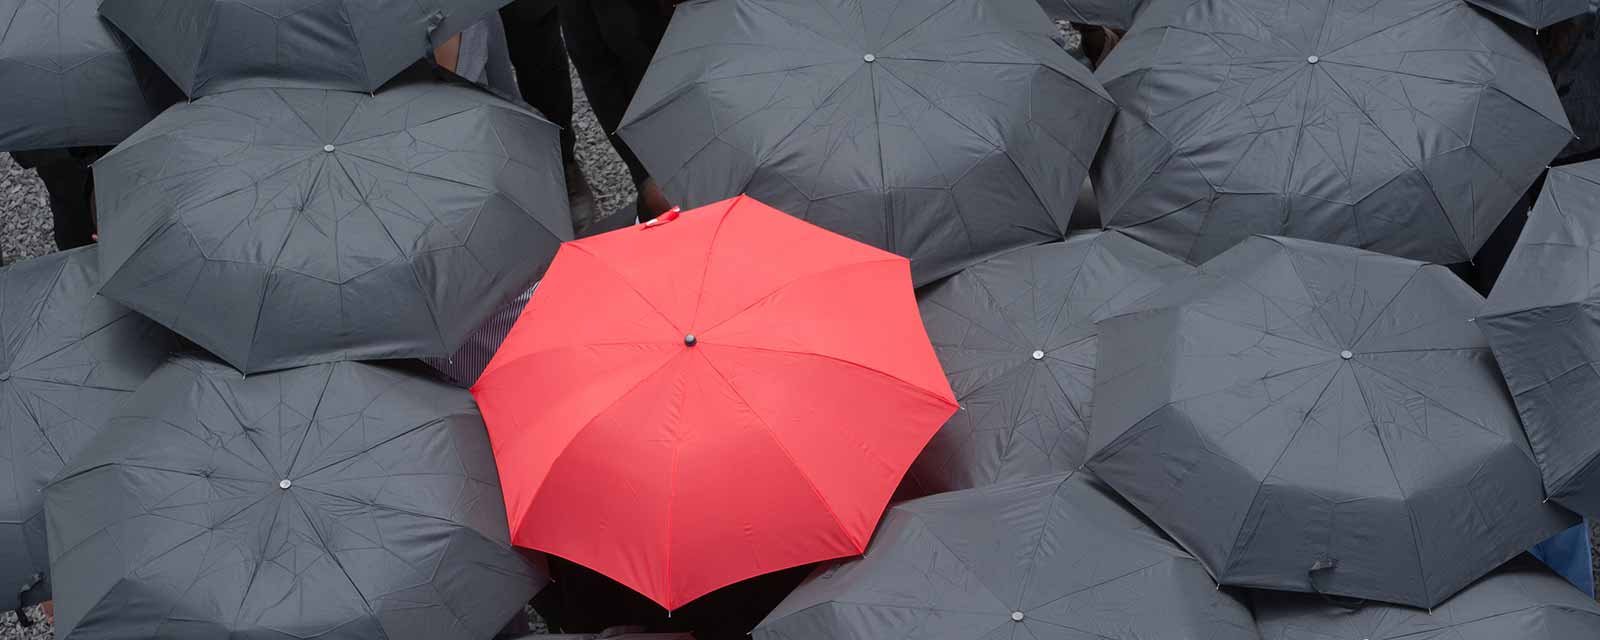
(772, 438)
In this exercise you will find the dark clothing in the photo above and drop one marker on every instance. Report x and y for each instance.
(68, 178)
(533, 31)
(611, 43)
(1572, 53)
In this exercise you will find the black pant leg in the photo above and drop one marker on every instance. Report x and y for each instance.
(533, 33)
(70, 184)
(611, 43)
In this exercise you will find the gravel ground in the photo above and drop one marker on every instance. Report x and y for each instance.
(26, 225)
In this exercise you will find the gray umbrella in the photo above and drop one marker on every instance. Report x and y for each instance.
(945, 131)
(1541, 320)
(211, 46)
(70, 80)
(1538, 13)
(1017, 339)
(1115, 14)
(333, 501)
(1310, 417)
(1404, 126)
(280, 227)
(68, 358)
(1523, 600)
(1054, 558)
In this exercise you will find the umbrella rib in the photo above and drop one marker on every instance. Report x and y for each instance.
(38, 310)
(1429, 11)
(1405, 500)
(711, 246)
(883, 174)
(861, 545)
(1446, 407)
(761, 162)
(931, 15)
(578, 246)
(368, 449)
(799, 279)
(1460, 624)
(261, 559)
(311, 421)
(335, 559)
(1239, 538)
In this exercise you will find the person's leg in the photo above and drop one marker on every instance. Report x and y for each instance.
(611, 43)
(70, 184)
(533, 33)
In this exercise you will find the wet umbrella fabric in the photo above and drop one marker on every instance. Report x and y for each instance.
(1522, 600)
(333, 501)
(211, 46)
(1057, 557)
(1017, 339)
(1538, 14)
(1408, 127)
(68, 358)
(280, 227)
(721, 394)
(1539, 319)
(1309, 417)
(946, 132)
(71, 80)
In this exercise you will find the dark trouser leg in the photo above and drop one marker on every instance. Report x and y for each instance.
(71, 184)
(611, 43)
(533, 32)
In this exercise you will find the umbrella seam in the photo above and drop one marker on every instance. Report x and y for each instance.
(311, 421)
(1405, 499)
(865, 262)
(579, 247)
(705, 267)
(335, 559)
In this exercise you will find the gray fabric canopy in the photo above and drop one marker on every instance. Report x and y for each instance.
(211, 46)
(1541, 320)
(70, 80)
(1309, 417)
(68, 358)
(280, 227)
(1115, 14)
(1522, 600)
(1054, 558)
(1404, 126)
(1538, 13)
(1017, 339)
(334, 501)
(945, 131)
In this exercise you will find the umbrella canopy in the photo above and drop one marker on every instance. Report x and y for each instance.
(211, 46)
(1115, 14)
(333, 501)
(1017, 339)
(279, 227)
(70, 80)
(1540, 319)
(687, 404)
(69, 358)
(943, 131)
(1538, 13)
(1057, 557)
(1309, 417)
(1522, 600)
(1408, 127)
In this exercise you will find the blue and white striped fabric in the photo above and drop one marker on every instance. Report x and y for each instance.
(468, 362)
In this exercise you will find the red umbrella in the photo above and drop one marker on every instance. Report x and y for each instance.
(726, 393)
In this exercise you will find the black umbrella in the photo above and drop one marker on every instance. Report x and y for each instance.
(1017, 339)
(1539, 13)
(1057, 557)
(1522, 600)
(1541, 320)
(211, 46)
(332, 501)
(945, 131)
(1404, 126)
(70, 80)
(68, 358)
(1309, 417)
(280, 227)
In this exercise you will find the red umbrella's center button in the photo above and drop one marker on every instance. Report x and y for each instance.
(690, 340)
